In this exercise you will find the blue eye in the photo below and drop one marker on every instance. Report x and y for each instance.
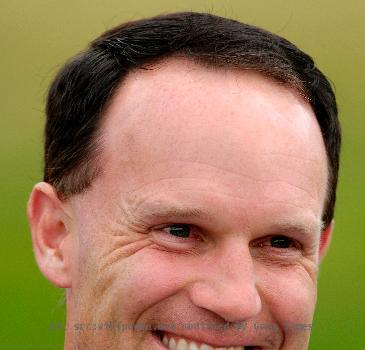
(179, 230)
(281, 242)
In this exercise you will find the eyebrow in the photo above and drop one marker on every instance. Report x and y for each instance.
(167, 211)
(302, 227)
(175, 211)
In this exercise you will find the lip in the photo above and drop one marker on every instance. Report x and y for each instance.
(224, 344)
(155, 342)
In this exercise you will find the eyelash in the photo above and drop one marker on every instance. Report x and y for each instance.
(294, 244)
(178, 239)
(259, 243)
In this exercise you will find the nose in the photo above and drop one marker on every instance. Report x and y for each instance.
(226, 285)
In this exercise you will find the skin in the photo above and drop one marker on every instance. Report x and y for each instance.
(235, 155)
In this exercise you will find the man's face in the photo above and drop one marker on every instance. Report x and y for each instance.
(206, 218)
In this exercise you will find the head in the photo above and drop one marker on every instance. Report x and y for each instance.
(189, 186)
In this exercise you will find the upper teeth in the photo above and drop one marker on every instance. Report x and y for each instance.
(183, 344)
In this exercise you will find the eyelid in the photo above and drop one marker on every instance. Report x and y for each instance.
(197, 235)
(171, 243)
(169, 224)
(177, 238)
(165, 229)
(295, 242)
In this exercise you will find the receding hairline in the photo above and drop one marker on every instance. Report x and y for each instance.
(295, 87)
(213, 41)
(176, 59)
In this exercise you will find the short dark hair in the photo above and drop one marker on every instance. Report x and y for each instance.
(82, 89)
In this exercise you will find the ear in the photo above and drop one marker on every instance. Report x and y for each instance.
(326, 236)
(50, 237)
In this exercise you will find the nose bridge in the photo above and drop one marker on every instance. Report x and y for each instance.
(226, 285)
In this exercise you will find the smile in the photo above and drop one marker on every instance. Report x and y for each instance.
(175, 342)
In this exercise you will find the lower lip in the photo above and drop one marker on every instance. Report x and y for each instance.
(155, 341)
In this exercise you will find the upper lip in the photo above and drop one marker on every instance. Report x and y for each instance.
(219, 339)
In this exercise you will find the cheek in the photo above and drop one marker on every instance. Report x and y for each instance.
(151, 276)
(290, 295)
(124, 291)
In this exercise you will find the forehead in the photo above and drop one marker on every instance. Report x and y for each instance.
(179, 95)
(182, 119)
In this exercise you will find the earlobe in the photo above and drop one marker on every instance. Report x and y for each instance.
(326, 236)
(50, 237)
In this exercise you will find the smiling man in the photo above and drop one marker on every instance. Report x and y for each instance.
(189, 186)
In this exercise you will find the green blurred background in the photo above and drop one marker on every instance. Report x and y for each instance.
(38, 36)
